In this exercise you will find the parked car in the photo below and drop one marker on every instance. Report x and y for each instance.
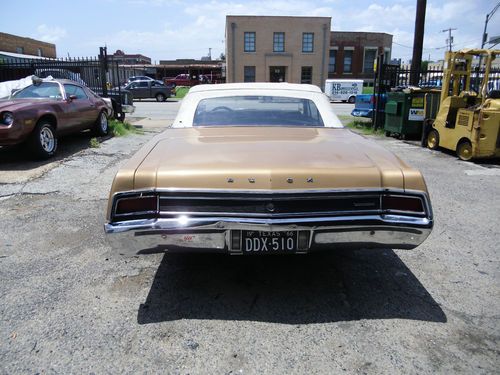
(364, 105)
(39, 113)
(259, 168)
(121, 100)
(139, 78)
(182, 80)
(149, 89)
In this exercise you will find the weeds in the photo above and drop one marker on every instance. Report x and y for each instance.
(119, 129)
(94, 143)
(364, 127)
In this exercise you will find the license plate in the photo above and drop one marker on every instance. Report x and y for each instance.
(269, 242)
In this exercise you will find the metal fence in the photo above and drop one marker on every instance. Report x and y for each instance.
(393, 77)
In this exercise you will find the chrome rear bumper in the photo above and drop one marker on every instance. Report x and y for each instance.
(213, 234)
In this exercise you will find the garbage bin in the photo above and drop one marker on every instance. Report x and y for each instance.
(404, 113)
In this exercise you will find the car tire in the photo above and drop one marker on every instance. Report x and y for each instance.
(433, 139)
(352, 99)
(42, 142)
(160, 97)
(464, 150)
(101, 126)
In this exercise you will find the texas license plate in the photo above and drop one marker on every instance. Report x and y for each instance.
(269, 242)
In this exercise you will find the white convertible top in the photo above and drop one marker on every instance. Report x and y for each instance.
(256, 86)
(292, 90)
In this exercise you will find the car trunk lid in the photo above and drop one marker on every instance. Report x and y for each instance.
(266, 158)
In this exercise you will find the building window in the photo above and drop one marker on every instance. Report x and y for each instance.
(332, 61)
(387, 56)
(250, 41)
(20, 50)
(308, 42)
(39, 52)
(249, 74)
(347, 61)
(370, 56)
(279, 42)
(306, 74)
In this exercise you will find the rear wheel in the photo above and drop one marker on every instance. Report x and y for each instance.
(352, 99)
(433, 139)
(43, 140)
(101, 127)
(464, 150)
(160, 97)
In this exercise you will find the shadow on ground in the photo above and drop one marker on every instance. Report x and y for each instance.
(318, 288)
(18, 158)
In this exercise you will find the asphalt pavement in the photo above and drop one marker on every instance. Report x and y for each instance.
(68, 304)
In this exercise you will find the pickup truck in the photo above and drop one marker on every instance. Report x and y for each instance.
(181, 80)
(149, 89)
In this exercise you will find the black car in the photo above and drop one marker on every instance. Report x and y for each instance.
(149, 89)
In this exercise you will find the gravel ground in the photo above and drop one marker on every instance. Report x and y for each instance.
(69, 305)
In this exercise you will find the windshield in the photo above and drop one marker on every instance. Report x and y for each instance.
(257, 110)
(47, 90)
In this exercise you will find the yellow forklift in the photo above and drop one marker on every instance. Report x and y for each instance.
(468, 120)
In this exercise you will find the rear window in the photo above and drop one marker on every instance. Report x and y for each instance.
(257, 110)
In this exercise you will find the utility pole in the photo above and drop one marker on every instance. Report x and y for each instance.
(449, 41)
(488, 17)
(418, 42)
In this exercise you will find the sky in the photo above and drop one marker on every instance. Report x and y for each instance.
(173, 29)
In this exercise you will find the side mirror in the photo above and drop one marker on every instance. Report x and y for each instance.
(72, 97)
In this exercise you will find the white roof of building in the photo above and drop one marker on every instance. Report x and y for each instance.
(23, 56)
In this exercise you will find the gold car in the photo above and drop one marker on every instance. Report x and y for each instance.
(264, 168)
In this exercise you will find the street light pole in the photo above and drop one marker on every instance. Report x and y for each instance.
(488, 17)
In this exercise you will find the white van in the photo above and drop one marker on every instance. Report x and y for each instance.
(343, 89)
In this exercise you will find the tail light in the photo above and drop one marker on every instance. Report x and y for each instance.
(403, 203)
(138, 205)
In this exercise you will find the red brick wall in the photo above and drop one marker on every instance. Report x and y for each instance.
(358, 40)
(9, 43)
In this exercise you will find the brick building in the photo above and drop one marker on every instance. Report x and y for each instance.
(277, 49)
(352, 54)
(130, 59)
(26, 46)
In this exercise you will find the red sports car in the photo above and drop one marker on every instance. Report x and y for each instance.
(39, 113)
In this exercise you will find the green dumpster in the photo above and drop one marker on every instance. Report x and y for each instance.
(404, 114)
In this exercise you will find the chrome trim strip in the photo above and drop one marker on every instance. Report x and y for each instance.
(270, 215)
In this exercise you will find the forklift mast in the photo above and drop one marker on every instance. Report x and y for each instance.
(458, 72)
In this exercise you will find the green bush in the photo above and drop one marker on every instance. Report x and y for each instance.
(118, 128)
(181, 91)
